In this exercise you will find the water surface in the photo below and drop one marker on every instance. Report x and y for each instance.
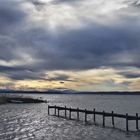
(30, 121)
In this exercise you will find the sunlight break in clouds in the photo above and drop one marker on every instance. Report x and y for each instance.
(70, 44)
(78, 13)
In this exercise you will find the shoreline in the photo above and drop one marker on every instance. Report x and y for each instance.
(4, 99)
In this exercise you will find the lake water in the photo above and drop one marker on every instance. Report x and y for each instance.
(31, 121)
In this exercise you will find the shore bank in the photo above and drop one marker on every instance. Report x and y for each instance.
(5, 98)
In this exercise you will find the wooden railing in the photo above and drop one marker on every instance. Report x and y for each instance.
(104, 114)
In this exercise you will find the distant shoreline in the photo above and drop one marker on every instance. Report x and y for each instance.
(71, 92)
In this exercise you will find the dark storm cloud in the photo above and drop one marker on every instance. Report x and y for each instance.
(11, 18)
(8, 48)
(96, 46)
(130, 74)
(8, 68)
(88, 48)
(26, 75)
(10, 15)
(21, 73)
(93, 46)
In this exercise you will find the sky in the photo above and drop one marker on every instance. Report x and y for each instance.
(83, 45)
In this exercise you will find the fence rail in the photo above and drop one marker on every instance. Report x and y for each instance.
(104, 114)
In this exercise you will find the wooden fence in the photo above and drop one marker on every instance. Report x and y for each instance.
(93, 112)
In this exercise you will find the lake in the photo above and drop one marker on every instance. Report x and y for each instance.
(31, 121)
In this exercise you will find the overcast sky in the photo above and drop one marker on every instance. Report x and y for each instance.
(91, 45)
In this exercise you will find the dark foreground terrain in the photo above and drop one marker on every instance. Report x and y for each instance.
(19, 99)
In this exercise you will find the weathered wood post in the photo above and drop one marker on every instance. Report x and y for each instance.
(70, 113)
(113, 118)
(103, 118)
(48, 109)
(65, 112)
(127, 122)
(78, 114)
(94, 117)
(58, 111)
(137, 123)
(85, 115)
(55, 110)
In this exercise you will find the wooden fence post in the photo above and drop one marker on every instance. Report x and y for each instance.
(113, 118)
(127, 129)
(48, 109)
(85, 115)
(58, 111)
(103, 118)
(65, 112)
(137, 123)
(78, 114)
(55, 110)
(94, 117)
(70, 113)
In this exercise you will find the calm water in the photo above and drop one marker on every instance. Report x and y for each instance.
(31, 122)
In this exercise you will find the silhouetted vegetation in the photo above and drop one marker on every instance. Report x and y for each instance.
(6, 98)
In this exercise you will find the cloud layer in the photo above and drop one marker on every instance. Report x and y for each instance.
(40, 36)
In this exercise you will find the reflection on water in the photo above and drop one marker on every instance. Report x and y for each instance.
(30, 121)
